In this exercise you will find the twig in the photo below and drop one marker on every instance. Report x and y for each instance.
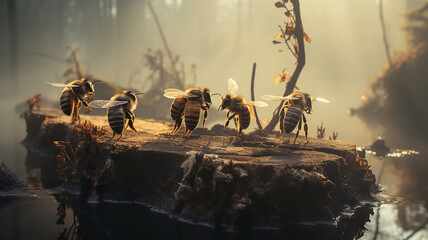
(183, 76)
(288, 45)
(385, 39)
(163, 38)
(80, 73)
(74, 155)
(253, 76)
(300, 63)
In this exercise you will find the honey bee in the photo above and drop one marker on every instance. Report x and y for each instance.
(239, 108)
(187, 104)
(291, 112)
(75, 94)
(120, 111)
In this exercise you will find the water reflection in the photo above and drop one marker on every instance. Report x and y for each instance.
(40, 170)
(404, 212)
(108, 220)
(73, 231)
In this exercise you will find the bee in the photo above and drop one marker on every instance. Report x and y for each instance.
(187, 104)
(75, 94)
(241, 109)
(120, 111)
(291, 112)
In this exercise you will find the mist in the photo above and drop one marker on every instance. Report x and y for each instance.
(223, 39)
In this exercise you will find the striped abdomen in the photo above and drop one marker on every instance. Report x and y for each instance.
(244, 118)
(292, 118)
(116, 119)
(67, 101)
(191, 114)
(177, 108)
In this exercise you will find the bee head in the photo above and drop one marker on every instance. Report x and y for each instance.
(308, 103)
(225, 102)
(131, 95)
(207, 95)
(88, 86)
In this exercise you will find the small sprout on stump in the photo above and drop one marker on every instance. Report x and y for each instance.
(320, 131)
(334, 137)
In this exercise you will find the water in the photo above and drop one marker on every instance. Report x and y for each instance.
(55, 214)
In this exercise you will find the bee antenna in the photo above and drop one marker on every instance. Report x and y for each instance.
(219, 94)
(95, 81)
(140, 93)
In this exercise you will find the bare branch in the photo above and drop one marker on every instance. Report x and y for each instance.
(253, 76)
(173, 62)
(385, 39)
(301, 60)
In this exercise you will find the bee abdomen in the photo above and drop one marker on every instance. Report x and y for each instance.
(191, 115)
(116, 119)
(67, 101)
(292, 117)
(244, 118)
(177, 108)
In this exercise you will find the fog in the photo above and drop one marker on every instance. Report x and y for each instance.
(223, 38)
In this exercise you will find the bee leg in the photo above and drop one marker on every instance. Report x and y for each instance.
(236, 122)
(76, 110)
(298, 130)
(227, 121)
(239, 131)
(84, 102)
(187, 132)
(205, 118)
(229, 118)
(130, 115)
(305, 127)
(120, 136)
(131, 125)
(176, 125)
(281, 121)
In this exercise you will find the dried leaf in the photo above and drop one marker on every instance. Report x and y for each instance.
(279, 5)
(306, 37)
(279, 36)
(60, 146)
(281, 77)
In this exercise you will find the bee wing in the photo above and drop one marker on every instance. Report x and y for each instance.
(320, 100)
(61, 85)
(277, 98)
(232, 86)
(256, 103)
(172, 90)
(106, 103)
(175, 93)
